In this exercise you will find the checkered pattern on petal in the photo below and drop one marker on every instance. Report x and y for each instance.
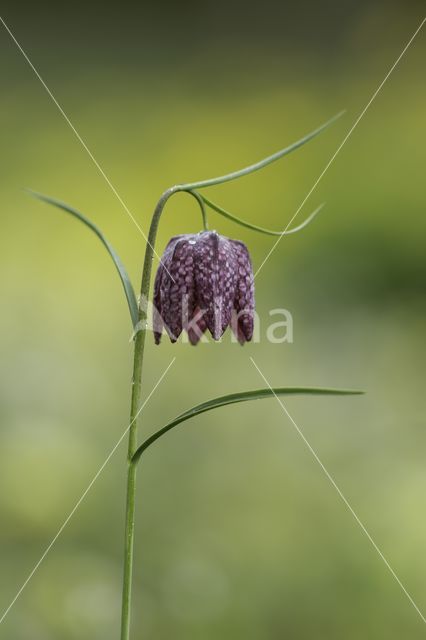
(174, 293)
(244, 296)
(215, 280)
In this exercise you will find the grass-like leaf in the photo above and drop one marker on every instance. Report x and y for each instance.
(233, 398)
(226, 214)
(262, 163)
(124, 277)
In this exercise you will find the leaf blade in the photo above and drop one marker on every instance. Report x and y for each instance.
(124, 277)
(262, 163)
(234, 398)
(253, 227)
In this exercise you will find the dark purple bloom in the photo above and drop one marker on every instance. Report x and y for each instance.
(204, 281)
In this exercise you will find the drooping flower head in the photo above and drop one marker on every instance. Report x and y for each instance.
(204, 281)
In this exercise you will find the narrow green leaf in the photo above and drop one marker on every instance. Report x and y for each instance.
(233, 398)
(255, 227)
(262, 163)
(125, 280)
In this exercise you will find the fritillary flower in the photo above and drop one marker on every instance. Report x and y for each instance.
(204, 281)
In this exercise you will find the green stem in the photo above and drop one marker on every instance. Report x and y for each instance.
(141, 329)
(200, 201)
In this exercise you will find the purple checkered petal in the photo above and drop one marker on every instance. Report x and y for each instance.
(197, 326)
(215, 280)
(157, 320)
(174, 294)
(244, 296)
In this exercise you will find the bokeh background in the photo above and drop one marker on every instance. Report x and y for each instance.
(239, 533)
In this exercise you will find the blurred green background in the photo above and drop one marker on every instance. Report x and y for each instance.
(239, 533)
